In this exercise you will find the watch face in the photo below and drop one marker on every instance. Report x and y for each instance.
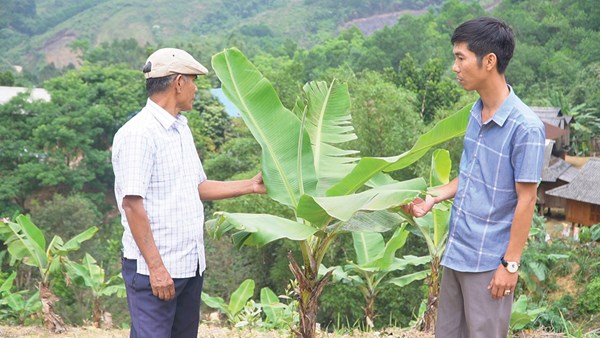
(512, 267)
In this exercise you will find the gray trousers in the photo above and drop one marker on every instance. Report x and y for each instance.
(467, 309)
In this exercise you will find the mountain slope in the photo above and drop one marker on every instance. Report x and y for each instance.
(48, 29)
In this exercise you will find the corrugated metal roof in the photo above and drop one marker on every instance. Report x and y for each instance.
(546, 111)
(585, 187)
(7, 93)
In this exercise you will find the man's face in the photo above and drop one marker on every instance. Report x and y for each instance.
(469, 71)
(188, 92)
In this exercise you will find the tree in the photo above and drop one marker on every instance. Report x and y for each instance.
(433, 90)
(65, 143)
(316, 180)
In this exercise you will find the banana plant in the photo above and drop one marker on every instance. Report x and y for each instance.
(236, 304)
(305, 168)
(92, 276)
(375, 260)
(26, 243)
(433, 227)
(13, 305)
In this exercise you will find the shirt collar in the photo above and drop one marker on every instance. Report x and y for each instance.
(501, 115)
(163, 117)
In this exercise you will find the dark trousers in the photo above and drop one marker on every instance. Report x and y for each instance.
(155, 318)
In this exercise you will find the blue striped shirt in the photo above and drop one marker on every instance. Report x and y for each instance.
(508, 148)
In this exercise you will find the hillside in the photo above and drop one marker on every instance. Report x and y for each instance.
(38, 32)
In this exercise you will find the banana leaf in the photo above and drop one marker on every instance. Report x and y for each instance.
(453, 126)
(27, 243)
(407, 279)
(257, 229)
(271, 305)
(317, 209)
(328, 122)
(368, 246)
(240, 296)
(372, 221)
(287, 159)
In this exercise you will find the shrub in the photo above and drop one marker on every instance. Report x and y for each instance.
(589, 302)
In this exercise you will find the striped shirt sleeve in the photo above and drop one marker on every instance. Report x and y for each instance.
(528, 155)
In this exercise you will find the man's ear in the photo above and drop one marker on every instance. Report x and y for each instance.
(178, 83)
(490, 61)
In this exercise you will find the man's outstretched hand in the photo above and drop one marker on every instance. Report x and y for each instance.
(258, 186)
(419, 207)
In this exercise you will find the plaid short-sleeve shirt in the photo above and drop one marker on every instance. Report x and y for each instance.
(508, 148)
(154, 157)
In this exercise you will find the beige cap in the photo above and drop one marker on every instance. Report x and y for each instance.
(168, 61)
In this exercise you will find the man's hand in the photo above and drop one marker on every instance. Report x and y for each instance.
(419, 207)
(162, 284)
(503, 283)
(258, 186)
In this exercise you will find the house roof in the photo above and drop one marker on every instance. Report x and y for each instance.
(585, 187)
(7, 93)
(552, 115)
(555, 170)
(569, 174)
(547, 112)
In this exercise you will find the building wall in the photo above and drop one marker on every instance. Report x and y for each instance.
(583, 213)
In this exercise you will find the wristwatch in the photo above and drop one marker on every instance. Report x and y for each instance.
(512, 267)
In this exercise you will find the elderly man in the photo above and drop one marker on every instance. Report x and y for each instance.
(159, 187)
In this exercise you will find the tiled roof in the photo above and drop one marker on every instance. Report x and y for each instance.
(569, 174)
(585, 187)
(552, 115)
(554, 171)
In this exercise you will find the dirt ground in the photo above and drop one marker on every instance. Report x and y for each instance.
(207, 331)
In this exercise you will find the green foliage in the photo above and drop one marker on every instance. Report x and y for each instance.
(64, 144)
(28, 245)
(589, 302)
(7, 79)
(126, 51)
(433, 91)
(242, 311)
(236, 304)
(375, 117)
(318, 182)
(17, 307)
(376, 261)
(521, 315)
(65, 216)
(537, 260)
(279, 315)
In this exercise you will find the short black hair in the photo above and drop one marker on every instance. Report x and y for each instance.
(487, 35)
(159, 84)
